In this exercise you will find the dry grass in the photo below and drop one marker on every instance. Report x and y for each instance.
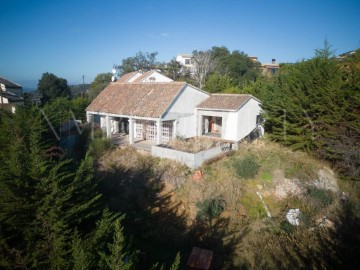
(262, 240)
(194, 145)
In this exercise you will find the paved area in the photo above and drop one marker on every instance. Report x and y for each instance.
(123, 139)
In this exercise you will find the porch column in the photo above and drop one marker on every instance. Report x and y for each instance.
(108, 126)
(159, 131)
(131, 131)
(89, 117)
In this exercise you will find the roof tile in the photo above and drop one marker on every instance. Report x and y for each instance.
(224, 102)
(136, 99)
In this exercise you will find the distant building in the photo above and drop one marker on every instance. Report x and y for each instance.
(270, 69)
(345, 55)
(10, 95)
(185, 62)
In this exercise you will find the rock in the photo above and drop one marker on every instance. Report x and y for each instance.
(293, 216)
(288, 187)
(325, 222)
(326, 180)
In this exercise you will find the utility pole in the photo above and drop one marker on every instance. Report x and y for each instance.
(83, 77)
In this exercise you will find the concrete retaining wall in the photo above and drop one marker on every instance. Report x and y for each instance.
(191, 160)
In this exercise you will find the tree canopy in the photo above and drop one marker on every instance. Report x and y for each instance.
(51, 87)
(138, 62)
(100, 82)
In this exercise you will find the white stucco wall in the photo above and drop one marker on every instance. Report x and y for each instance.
(183, 110)
(247, 118)
(158, 78)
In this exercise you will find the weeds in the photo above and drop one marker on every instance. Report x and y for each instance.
(246, 167)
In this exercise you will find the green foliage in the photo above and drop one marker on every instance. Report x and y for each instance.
(51, 87)
(236, 65)
(118, 258)
(99, 146)
(246, 167)
(176, 264)
(138, 62)
(210, 208)
(312, 106)
(321, 196)
(100, 82)
(217, 83)
(253, 205)
(61, 110)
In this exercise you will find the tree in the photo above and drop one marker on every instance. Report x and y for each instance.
(101, 81)
(203, 63)
(51, 87)
(138, 62)
(171, 69)
(237, 65)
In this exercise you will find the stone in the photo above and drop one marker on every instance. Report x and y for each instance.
(293, 216)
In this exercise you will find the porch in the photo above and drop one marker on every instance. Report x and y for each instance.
(136, 129)
(119, 139)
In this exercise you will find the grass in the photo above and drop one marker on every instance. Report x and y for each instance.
(260, 242)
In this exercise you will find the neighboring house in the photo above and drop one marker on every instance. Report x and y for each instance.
(10, 95)
(270, 69)
(151, 106)
(185, 62)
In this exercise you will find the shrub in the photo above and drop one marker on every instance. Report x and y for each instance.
(246, 167)
(210, 208)
(99, 146)
(322, 196)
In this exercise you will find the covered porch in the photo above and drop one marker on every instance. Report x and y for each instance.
(133, 130)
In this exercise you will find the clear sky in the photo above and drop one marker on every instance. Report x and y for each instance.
(71, 38)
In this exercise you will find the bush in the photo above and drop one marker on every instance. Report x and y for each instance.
(321, 196)
(210, 208)
(99, 146)
(246, 167)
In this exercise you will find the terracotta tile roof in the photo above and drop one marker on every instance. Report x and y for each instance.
(9, 84)
(124, 78)
(136, 99)
(224, 102)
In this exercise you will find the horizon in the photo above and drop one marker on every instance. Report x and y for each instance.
(75, 38)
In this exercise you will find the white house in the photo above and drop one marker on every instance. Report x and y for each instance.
(185, 61)
(151, 106)
(10, 95)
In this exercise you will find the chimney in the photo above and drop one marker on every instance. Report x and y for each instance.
(273, 61)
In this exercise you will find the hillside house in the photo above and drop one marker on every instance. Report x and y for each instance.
(150, 106)
(10, 95)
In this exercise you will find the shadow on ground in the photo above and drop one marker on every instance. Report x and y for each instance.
(158, 227)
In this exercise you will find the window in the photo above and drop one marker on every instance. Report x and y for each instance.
(187, 61)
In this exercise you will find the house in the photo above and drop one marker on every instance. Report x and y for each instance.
(150, 106)
(147, 106)
(270, 69)
(10, 95)
(185, 62)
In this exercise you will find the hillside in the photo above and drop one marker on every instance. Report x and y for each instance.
(237, 207)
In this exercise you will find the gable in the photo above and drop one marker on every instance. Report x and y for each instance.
(140, 77)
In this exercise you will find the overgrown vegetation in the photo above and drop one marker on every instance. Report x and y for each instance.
(246, 167)
(107, 207)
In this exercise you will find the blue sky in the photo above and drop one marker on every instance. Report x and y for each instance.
(72, 38)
